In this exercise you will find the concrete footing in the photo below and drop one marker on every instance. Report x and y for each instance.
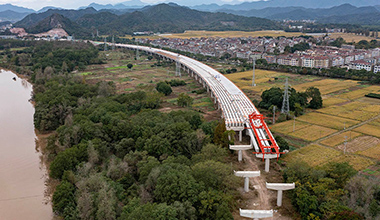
(247, 175)
(280, 187)
(256, 214)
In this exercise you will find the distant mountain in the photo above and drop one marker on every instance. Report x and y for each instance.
(12, 16)
(56, 21)
(33, 19)
(94, 22)
(14, 8)
(48, 8)
(261, 13)
(119, 6)
(301, 13)
(134, 3)
(362, 19)
(173, 18)
(245, 6)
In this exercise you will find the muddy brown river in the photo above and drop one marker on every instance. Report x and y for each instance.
(22, 175)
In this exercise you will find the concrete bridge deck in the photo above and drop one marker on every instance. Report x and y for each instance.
(233, 103)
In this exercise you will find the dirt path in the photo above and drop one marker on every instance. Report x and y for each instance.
(258, 183)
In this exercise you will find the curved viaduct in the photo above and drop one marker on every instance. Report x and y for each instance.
(233, 103)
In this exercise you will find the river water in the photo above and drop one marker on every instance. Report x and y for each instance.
(22, 174)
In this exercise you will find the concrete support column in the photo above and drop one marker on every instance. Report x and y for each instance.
(280, 187)
(240, 155)
(246, 184)
(267, 160)
(279, 197)
(240, 136)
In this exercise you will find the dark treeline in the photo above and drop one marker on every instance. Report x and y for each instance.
(333, 72)
(48, 58)
(333, 192)
(117, 157)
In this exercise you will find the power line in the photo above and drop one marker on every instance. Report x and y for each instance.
(285, 101)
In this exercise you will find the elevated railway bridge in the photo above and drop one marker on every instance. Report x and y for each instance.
(238, 111)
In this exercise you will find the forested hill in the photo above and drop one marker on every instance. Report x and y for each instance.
(158, 18)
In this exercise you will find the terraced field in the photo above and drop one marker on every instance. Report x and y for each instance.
(345, 107)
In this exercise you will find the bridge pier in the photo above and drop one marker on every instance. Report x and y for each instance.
(267, 158)
(280, 187)
(240, 148)
(247, 175)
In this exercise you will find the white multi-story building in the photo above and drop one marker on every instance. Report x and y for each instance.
(337, 61)
(360, 64)
(376, 68)
(307, 61)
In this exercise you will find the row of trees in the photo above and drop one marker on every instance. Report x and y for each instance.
(333, 72)
(297, 100)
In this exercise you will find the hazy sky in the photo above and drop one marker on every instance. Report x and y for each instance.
(38, 4)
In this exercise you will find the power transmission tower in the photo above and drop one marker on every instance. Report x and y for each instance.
(253, 73)
(285, 101)
(105, 44)
(177, 67)
(113, 43)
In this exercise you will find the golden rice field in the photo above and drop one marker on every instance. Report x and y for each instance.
(340, 138)
(354, 110)
(316, 155)
(349, 37)
(373, 152)
(287, 126)
(352, 95)
(327, 86)
(369, 129)
(330, 101)
(312, 133)
(329, 121)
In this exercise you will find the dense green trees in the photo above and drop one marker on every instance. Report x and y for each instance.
(184, 100)
(297, 100)
(319, 192)
(164, 88)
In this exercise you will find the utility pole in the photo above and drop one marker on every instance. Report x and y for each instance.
(294, 124)
(105, 44)
(345, 144)
(253, 72)
(97, 33)
(285, 101)
(113, 43)
(177, 67)
(137, 54)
